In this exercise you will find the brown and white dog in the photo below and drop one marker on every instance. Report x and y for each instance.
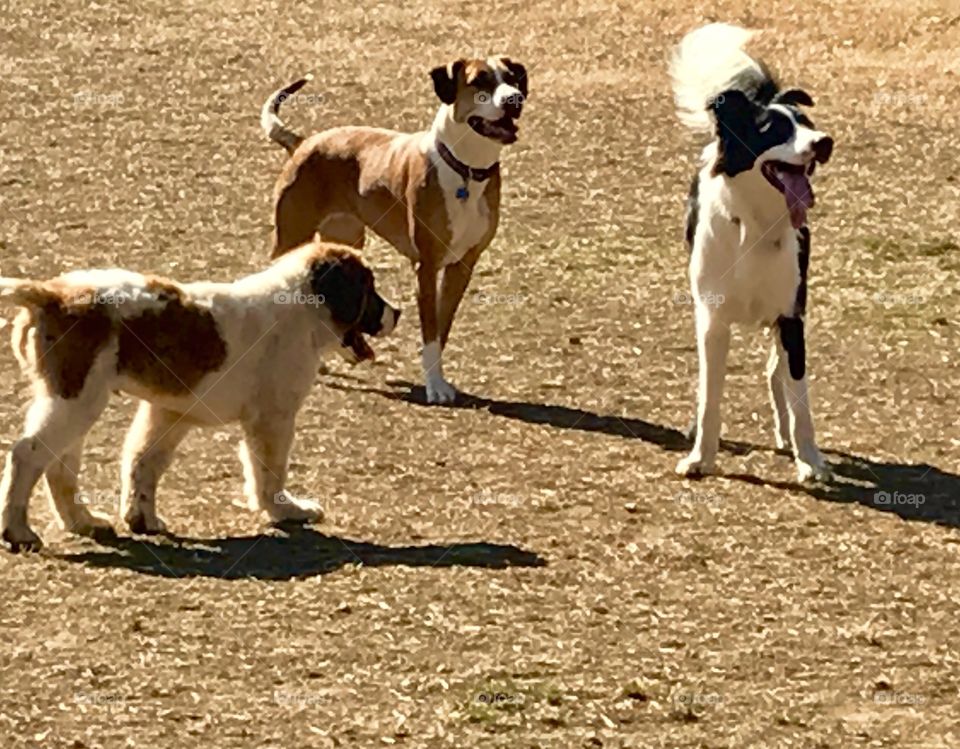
(197, 354)
(434, 195)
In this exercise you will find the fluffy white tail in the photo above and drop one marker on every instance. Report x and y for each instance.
(704, 64)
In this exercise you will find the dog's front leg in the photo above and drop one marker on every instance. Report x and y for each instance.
(792, 348)
(713, 342)
(438, 389)
(776, 381)
(265, 451)
(456, 278)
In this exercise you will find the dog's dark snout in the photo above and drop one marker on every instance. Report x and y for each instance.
(512, 106)
(396, 316)
(822, 149)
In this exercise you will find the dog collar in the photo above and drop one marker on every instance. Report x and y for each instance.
(467, 173)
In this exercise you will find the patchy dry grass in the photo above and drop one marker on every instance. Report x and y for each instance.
(536, 547)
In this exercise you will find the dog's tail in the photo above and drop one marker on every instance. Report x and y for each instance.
(708, 61)
(270, 120)
(24, 293)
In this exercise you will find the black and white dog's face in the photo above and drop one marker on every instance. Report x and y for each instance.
(776, 138)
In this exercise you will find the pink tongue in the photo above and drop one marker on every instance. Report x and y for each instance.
(799, 196)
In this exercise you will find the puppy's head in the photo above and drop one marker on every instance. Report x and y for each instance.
(345, 286)
(774, 137)
(486, 94)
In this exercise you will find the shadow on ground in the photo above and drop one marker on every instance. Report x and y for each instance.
(287, 554)
(912, 491)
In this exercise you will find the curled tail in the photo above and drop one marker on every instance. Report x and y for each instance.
(270, 120)
(708, 61)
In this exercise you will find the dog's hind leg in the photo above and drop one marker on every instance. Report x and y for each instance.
(776, 372)
(53, 426)
(62, 479)
(147, 452)
(296, 215)
(713, 343)
(265, 452)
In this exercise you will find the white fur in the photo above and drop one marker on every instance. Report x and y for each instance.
(705, 61)
(744, 265)
(438, 389)
(273, 351)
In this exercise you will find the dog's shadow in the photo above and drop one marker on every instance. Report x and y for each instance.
(286, 554)
(912, 491)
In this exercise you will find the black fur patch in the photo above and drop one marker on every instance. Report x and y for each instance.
(693, 210)
(343, 286)
(791, 336)
(803, 239)
(445, 81)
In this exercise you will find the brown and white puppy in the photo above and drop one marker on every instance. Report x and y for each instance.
(434, 195)
(197, 354)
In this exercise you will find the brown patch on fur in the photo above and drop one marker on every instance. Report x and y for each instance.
(70, 334)
(172, 348)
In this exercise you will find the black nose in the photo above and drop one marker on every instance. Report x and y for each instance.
(396, 316)
(512, 106)
(822, 149)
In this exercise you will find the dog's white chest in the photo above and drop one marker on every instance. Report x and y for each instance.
(467, 218)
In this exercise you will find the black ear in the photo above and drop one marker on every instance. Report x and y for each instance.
(794, 96)
(519, 73)
(737, 131)
(341, 285)
(445, 80)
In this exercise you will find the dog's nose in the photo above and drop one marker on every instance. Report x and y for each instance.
(396, 316)
(822, 149)
(512, 106)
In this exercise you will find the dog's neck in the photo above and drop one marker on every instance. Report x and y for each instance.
(467, 145)
(750, 198)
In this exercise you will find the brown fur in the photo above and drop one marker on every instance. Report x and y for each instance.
(68, 339)
(171, 349)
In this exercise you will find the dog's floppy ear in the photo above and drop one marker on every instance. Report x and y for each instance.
(519, 73)
(736, 118)
(445, 81)
(794, 96)
(342, 283)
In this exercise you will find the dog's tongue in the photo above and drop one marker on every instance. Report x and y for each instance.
(799, 196)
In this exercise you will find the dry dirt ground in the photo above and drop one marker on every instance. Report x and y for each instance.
(525, 572)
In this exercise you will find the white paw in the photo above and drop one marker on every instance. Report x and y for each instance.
(288, 508)
(439, 391)
(694, 465)
(814, 470)
(21, 538)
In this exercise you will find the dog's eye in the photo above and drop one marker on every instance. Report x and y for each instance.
(778, 128)
(482, 80)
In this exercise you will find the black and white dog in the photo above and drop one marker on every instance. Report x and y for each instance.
(747, 230)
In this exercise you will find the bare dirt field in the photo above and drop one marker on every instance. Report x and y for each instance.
(526, 571)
